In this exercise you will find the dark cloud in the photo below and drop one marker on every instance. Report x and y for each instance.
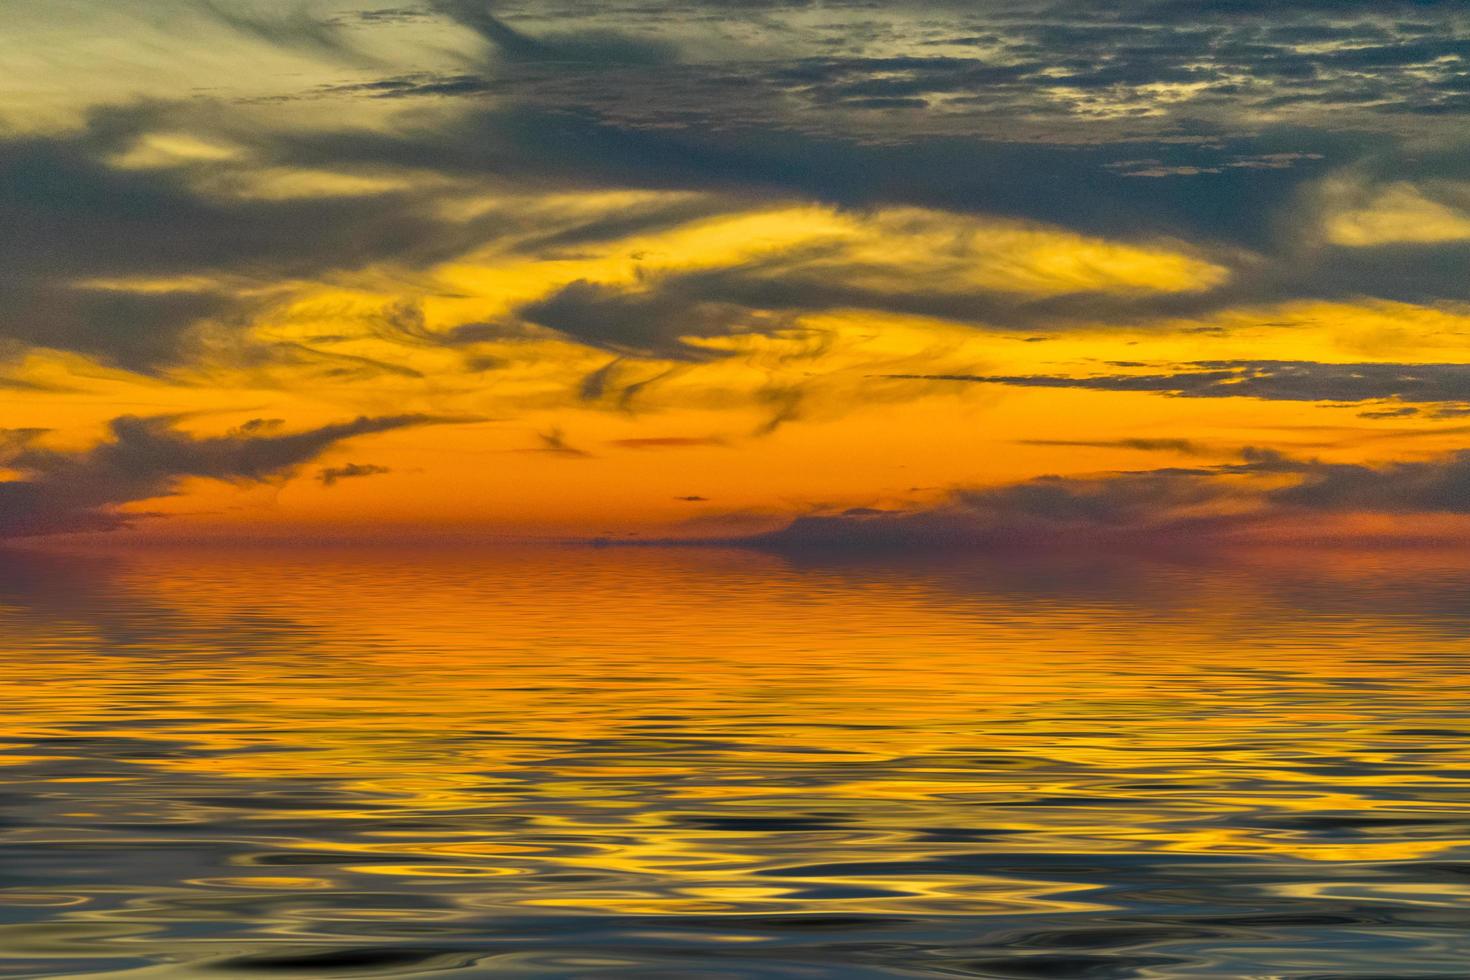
(1249, 205)
(383, 15)
(1035, 69)
(73, 219)
(580, 47)
(1187, 447)
(1149, 505)
(1068, 185)
(418, 84)
(330, 476)
(1170, 507)
(996, 108)
(656, 323)
(1311, 381)
(60, 492)
(1390, 413)
(13, 441)
(1005, 132)
(1437, 486)
(1253, 204)
(555, 442)
(668, 442)
(74, 216)
(666, 316)
(79, 229)
(290, 26)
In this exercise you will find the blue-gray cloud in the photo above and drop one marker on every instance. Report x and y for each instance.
(1048, 113)
(1170, 507)
(330, 476)
(1443, 384)
(58, 492)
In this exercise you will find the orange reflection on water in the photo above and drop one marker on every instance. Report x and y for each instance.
(683, 761)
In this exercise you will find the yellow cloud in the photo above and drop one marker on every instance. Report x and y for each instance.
(158, 150)
(1399, 212)
(884, 251)
(956, 253)
(283, 183)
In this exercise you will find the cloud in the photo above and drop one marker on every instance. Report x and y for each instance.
(595, 146)
(1187, 447)
(1000, 197)
(1310, 381)
(383, 15)
(668, 442)
(1398, 212)
(1437, 486)
(94, 236)
(1135, 72)
(555, 442)
(418, 85)
(554, 191)
(127, 237)
(1149, 505)
(332, 475)
(58, 492)
(13, 441)
(1264, 497)
(290, 26)
(657, 323)
(1157, 168)
(794, 261)
(1246, 232)
(119, 263)
(581, 47)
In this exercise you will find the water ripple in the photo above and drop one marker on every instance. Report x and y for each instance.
(563, 763)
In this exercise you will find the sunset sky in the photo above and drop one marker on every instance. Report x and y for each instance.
(904, 274)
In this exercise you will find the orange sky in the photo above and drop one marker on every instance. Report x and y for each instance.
(681, 338)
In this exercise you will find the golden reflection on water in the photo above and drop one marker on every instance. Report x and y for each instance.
(663, 763)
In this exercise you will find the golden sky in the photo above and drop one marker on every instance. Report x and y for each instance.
(931, 275)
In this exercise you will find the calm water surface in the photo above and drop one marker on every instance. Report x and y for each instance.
(696, 764)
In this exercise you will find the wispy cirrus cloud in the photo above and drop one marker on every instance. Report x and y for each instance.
(1444, 384)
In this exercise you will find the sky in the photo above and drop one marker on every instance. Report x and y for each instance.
(926, 275)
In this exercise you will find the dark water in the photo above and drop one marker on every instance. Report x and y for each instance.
(662, 764)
